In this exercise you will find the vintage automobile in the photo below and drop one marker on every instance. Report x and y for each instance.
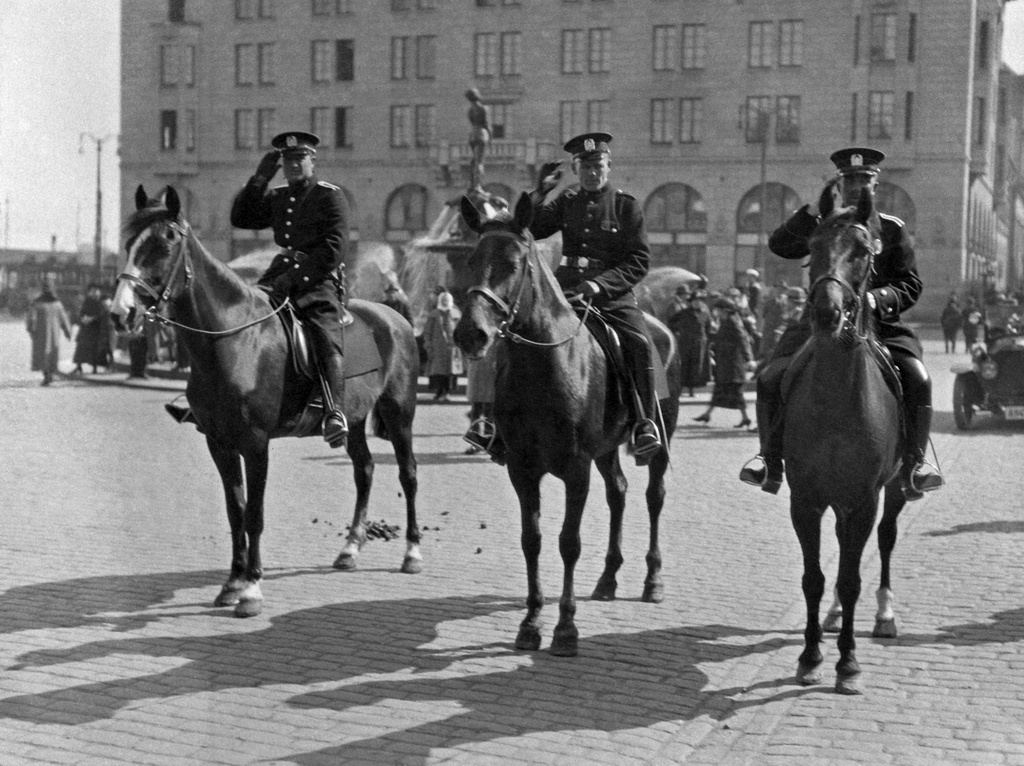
(993, 381)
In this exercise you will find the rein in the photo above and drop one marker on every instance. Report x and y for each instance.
(856, 294)
(511, 312)
(181, 260)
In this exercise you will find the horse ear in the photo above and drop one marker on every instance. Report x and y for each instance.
(524, 212)
(826, 202)
(141, 198)
(470, 214)
(865, 205)
(172, 202)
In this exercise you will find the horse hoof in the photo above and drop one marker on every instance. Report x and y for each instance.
(528, 639)
(885, 629)
(345, 561)
(566, 648)
(832, 622)
(248, 608)
(411, 565)
(605, 591)
(808, 675)
(848, 684)
(653, 594)
(227, 597)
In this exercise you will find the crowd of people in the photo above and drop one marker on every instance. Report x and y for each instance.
(977, 321)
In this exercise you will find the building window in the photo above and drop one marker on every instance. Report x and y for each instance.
(320, 60)
(341, 127)
(757, 116)
(245, 129)
(168, 65)
(424, 116)
(600, 58)
(190, 130)
(676, 222)
(324, 7)
(265, 8)
(883, 36)
(168, 130)
(597, 116)
(791, 43)
(983, 44)
(853, 118)
(511, 42)
(665, 46)
(574, 43)
(486, 56)
(693, 46)
(787, 120)
(176, 11)
(268, 71)
(245, 64)
(426, 5)
(407, 209)
(245, 9)
(188, 65)
(980, 124)
(399, 5)
(345, 55)
(759, 45)
(908, 116)
(662, 114)
(880, 114)
(426, 57)
(399, 57)
(691, 120)
(856, 40)
(265, 127)
(570, 119)
(500, 120)
(319, 120)
(912, 38)
(401, 126)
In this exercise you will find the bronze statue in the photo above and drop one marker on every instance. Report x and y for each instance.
(479, 136)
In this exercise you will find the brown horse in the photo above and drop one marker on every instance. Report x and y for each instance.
(843, 437)
(554, 407)
(243, 390)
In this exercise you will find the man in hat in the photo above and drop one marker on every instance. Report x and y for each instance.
(309, 220)
(894, 286)
(605, 253)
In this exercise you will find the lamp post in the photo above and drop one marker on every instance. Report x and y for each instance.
(764, 124)
(98, 265)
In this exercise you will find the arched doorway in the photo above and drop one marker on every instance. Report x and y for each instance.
(894, 200)
(677, 226)
(753, 230)
(405, 214)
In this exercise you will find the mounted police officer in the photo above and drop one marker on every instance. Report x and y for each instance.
(894, 287)
(605, 253)
(309, 220)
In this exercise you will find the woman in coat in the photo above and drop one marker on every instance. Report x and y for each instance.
(951, 320)
(92, 341)
(692, 326)
(438, 343)
(733, 354)
(45, 322)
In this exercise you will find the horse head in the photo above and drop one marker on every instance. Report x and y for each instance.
(495, 275)
(156, 236)
(842, 249)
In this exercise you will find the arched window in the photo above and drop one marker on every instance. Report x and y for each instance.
(892, 199)
(677, 225)
(406, 212)
(752, 237)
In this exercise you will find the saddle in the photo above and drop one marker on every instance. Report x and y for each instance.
(608, 338)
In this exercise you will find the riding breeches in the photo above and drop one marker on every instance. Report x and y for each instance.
(628, 320)
(321, 309)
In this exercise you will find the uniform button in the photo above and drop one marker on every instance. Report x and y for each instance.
(586, 231)
(291, 199)
(584, 245)
(288, 210)
(296, 266)
(286, 236)
(305, 279)
(883, 292)
(287, 223)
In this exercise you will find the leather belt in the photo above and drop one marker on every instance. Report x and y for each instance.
(580, 262)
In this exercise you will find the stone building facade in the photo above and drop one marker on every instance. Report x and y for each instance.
(720, 109)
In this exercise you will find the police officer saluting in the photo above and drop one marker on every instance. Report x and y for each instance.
(309, 220)
(894, 286)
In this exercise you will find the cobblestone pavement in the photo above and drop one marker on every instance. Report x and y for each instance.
(115, 543)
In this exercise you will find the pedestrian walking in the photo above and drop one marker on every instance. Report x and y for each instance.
(46, 320)
(92, 343)
(972, 322)
(692, 326)
(951, 320)
(733, 352)
(439, 344)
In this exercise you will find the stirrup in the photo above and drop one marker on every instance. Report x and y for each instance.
(337, 433)
(646, 443)
(481, 434)
(933, 481)
(760, 477)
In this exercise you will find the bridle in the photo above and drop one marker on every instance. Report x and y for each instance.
(511, 311)
(857, 295)
(181, 263)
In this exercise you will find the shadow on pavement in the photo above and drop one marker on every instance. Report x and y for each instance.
(1002, 527)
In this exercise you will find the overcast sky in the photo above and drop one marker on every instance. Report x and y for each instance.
(59, 77)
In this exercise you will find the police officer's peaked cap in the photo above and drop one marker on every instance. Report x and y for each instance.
(857, 159)
(589, 146)
(296, 142)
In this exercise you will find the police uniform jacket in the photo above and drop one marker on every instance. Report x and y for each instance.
(309, 220)
(603, 241)
(894, 281)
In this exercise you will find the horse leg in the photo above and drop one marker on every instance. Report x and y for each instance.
(565, 642)
(526, 483)
(362, 469)
(853, 528)
(654, 590)
(885, 618)
(401, 440)
(250, 599)
(806, 518)
(835, 614)
(615, 492)
(229, 466)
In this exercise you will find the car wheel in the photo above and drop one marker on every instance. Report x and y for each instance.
(963, 410)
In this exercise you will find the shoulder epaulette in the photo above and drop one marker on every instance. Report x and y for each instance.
(327, 185)
(627, 195)
(282, 187)
(894, 219)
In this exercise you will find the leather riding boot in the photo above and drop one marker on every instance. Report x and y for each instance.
(484, 436)
(768, 475)
(646, 440)
(335, 426)
(919, 476)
